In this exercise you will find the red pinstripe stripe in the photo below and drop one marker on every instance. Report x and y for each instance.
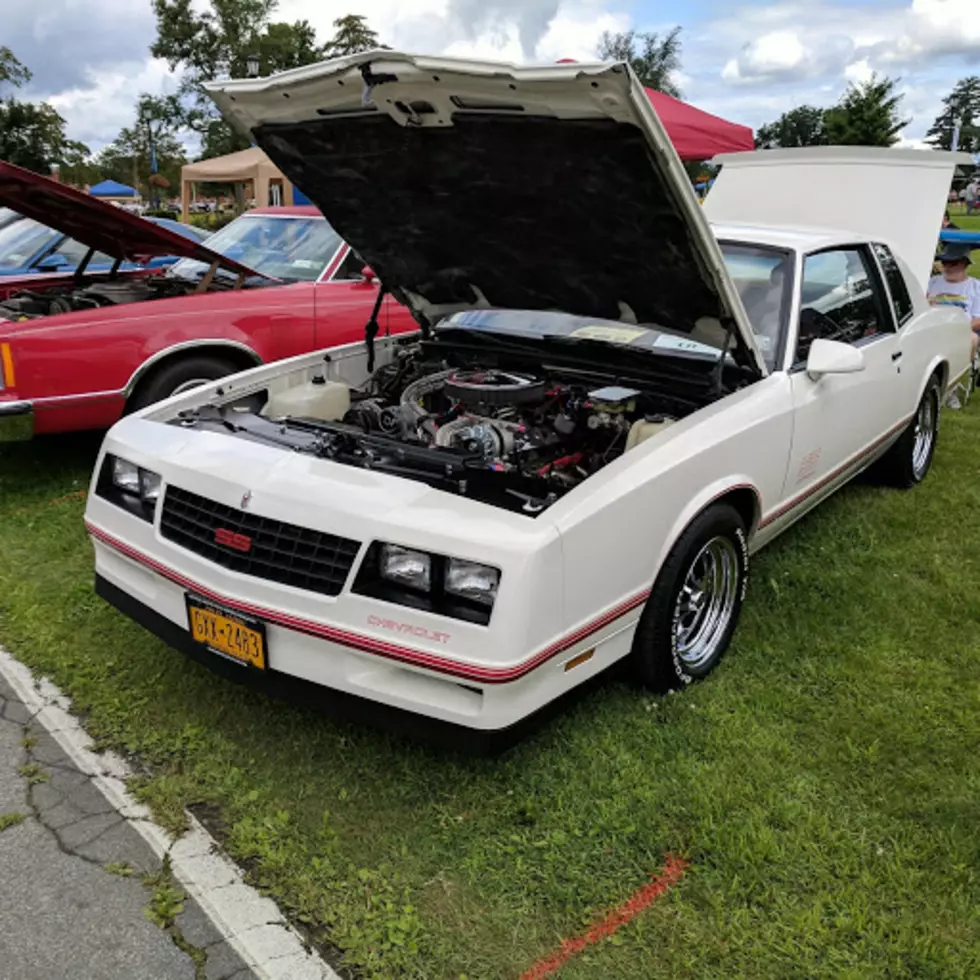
(832, 475)
(368, 644)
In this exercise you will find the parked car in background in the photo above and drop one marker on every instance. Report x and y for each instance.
(610, 407)
(29, 247)
(78, 355)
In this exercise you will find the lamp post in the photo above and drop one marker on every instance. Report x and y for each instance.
(252, 65)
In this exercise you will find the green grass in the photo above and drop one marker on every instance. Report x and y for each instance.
(823, 782)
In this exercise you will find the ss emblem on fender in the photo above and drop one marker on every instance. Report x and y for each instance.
(246, 498)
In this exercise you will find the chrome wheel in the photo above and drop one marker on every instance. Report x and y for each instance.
(706, 603)
(924, 434)
(188, 384)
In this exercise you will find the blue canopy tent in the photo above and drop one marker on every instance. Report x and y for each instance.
(112, 188)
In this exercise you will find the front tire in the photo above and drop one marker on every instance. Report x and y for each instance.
(909, 460)
(179, 375)
(688, 621)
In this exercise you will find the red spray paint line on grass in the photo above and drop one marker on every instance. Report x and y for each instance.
(673, 871)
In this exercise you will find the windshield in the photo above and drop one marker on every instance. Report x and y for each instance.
(294, 249)
(21, 240)
(762, 277)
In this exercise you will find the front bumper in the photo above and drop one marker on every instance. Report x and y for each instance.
(16, 421)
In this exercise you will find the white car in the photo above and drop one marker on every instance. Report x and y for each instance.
(607, 410)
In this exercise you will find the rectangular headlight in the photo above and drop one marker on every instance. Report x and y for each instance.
(125, 475)
(471, 580)
(129, 486)
(403, 566)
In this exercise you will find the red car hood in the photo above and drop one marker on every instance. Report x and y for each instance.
(97, 224)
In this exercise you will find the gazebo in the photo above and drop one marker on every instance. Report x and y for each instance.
(251, 166)
(112, 190)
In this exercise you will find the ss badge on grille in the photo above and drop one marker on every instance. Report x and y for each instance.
(246, 497)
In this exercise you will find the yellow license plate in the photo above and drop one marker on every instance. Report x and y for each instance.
(226, 633)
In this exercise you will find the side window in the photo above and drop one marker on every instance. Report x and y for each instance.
(350, 268)
(901, 301)
(74, 251)
(841, 299)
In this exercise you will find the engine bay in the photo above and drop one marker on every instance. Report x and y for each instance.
(30, 304)
(515, 435)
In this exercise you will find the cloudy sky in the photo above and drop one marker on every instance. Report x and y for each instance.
(747, 60)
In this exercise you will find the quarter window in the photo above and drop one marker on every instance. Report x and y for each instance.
(901, 300)
(840, 300)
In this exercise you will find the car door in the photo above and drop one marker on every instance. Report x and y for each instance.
(840, 419)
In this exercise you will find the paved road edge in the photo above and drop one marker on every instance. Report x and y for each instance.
(249, 922)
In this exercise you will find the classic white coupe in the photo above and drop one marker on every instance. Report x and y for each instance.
(607, 408)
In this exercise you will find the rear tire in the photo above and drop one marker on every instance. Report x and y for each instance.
(909, 460)
(180, 374)
(688, 621)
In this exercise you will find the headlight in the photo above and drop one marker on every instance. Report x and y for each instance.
(125, 475)
(129, 486)
(453, 587)
(406, 567)
(471, 580)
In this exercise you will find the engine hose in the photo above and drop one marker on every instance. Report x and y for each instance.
(415, 415)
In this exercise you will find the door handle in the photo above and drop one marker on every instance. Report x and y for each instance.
(897, 356)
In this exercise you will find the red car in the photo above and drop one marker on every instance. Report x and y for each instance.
(79, 352)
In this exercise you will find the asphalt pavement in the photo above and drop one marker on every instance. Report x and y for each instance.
(63, 916)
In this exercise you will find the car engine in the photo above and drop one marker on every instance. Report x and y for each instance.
(31, 304)
(516, 438)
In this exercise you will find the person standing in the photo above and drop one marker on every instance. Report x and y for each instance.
(971, 196)
(954, 287)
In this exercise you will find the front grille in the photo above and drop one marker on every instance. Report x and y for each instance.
(280, 552)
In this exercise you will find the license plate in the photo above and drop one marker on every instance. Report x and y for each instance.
(225, 632)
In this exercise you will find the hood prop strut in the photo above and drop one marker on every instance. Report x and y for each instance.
(719, 368)
(371, 328)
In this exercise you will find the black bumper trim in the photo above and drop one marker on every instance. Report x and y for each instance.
(338, 705)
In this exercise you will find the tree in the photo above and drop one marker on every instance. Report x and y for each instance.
(653, 57)
(218, 40)
(127, 157)
(803, 126)
(962, 106)
(351, 35)
(867, 115)
(11, 70)
(32, 135)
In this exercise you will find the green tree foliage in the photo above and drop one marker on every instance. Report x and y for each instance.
(654, 57)
(868, 114)
(351, 35)
(216, 41)
(803, 126)
(962, 105)
(127, 157)
(11, 70)
(32, 135)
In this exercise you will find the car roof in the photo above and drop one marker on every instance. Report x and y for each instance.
(795, 239)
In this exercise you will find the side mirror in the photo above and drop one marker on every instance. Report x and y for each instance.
(368, 273)
(51, 263)
(833, 357)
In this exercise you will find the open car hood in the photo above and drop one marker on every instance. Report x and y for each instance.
(95, 223)
(471, 184)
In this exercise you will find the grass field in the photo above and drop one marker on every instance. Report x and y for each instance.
(823, 783)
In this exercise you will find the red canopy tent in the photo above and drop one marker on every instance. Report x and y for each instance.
(696, 135)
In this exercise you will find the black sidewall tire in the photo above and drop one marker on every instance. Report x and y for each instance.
(654, 659)
(161, 383)
(897, 465)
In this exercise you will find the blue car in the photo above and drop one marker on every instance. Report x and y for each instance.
(28, 247)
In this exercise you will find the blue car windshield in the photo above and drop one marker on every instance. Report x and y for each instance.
(21, 240)
(294, 249)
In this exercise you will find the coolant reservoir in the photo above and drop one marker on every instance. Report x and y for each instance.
(327, 401)
(643, 429)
